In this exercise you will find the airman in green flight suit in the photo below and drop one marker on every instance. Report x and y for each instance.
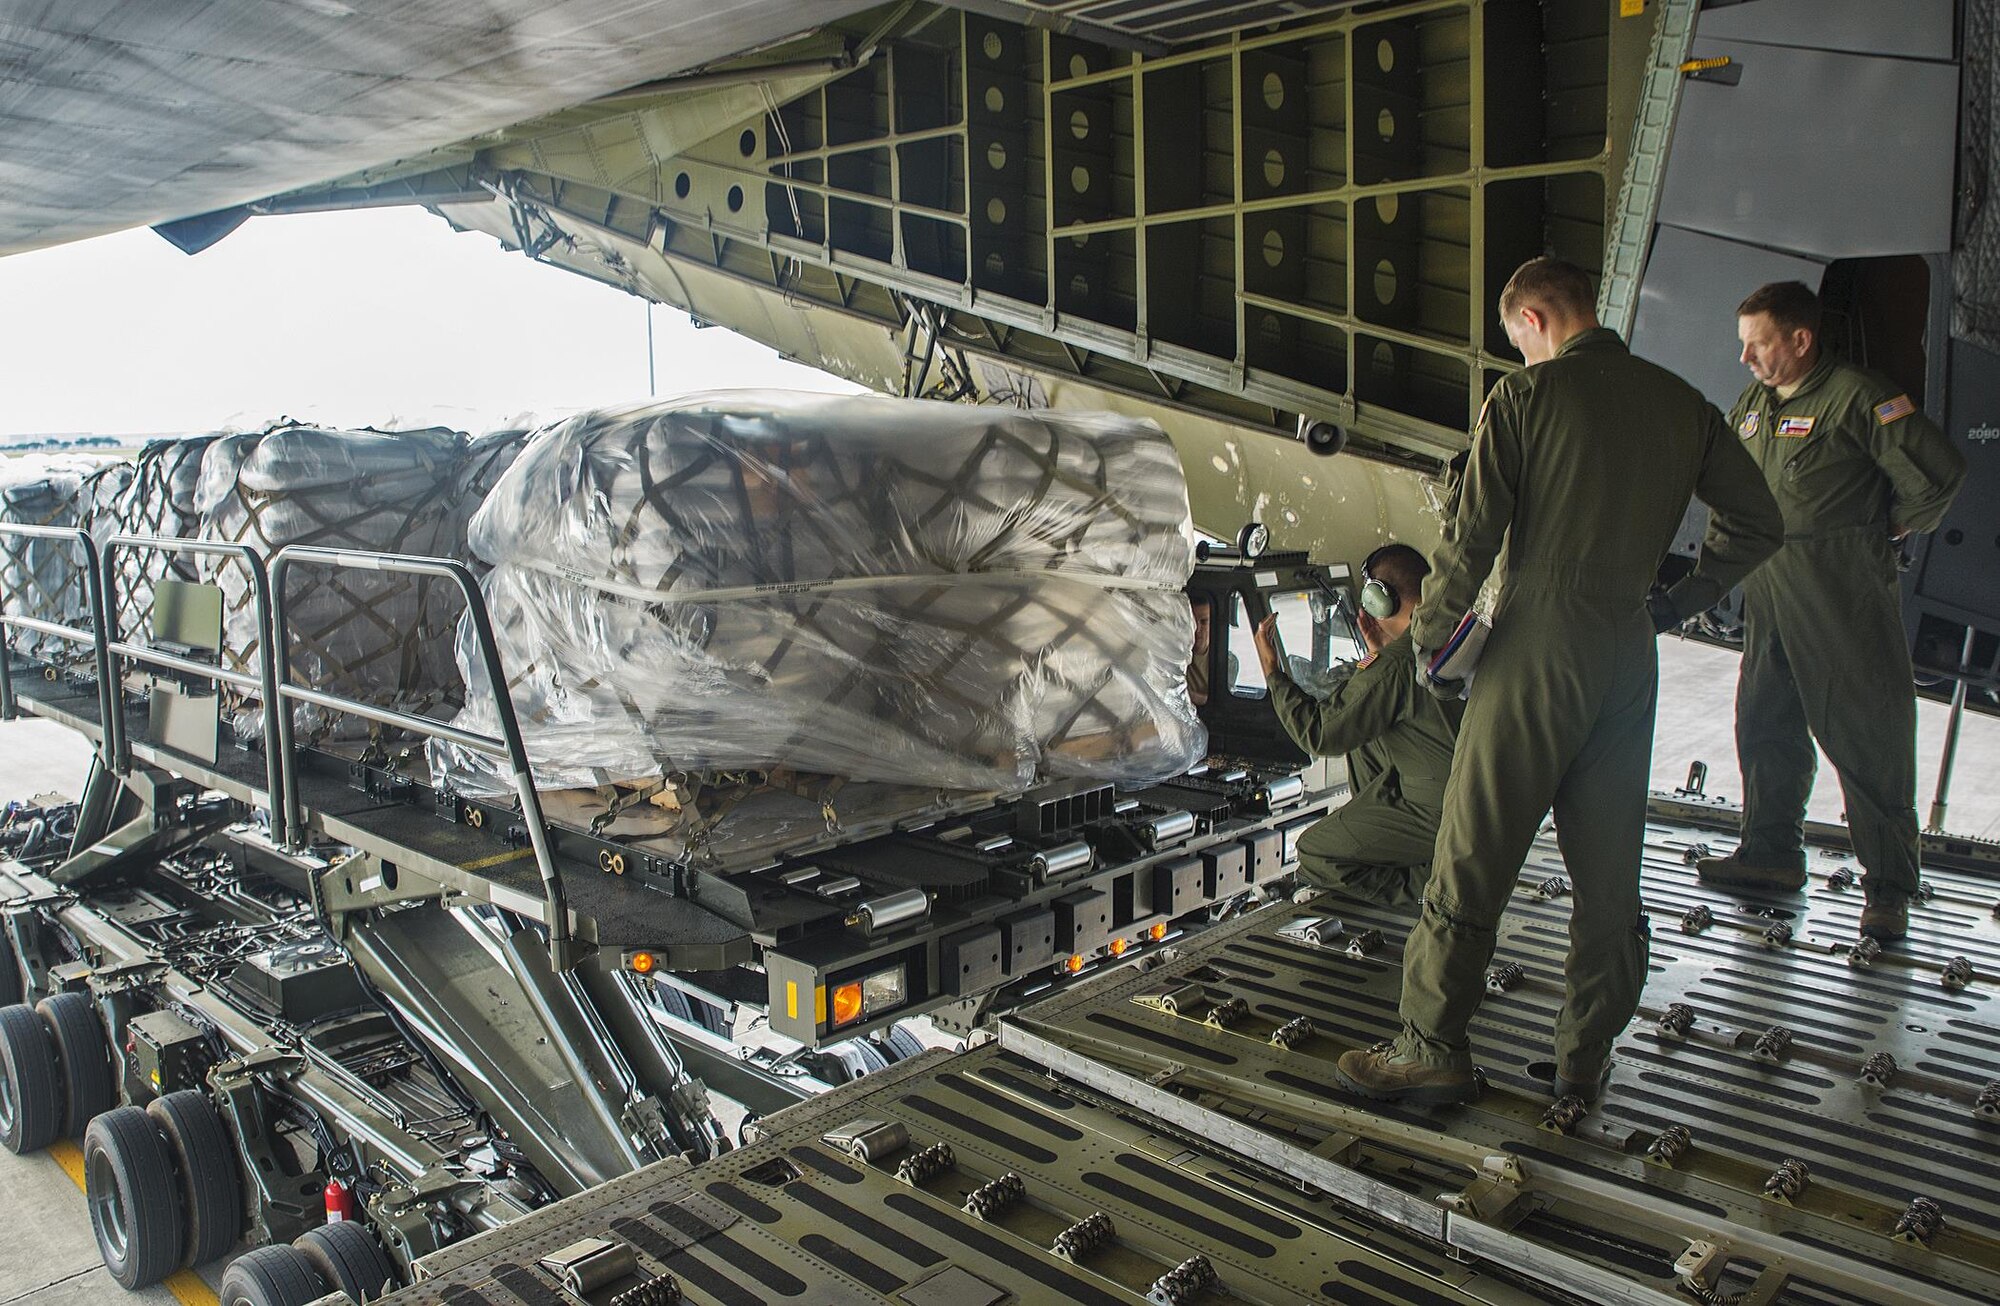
(1397, 740)
(1855, 467)
(1582, 466)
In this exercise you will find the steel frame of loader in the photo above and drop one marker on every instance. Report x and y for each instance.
(490, 973)
(468, 1066)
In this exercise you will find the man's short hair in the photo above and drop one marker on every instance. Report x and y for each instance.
(1551, 284)
(1401, 568)
(1790, 305)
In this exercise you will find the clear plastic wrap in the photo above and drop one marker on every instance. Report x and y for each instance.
(162, 497)
(485, 460)
(379, 637)
(886, 590)
(42, 577)
(98, 498)
(157, 498)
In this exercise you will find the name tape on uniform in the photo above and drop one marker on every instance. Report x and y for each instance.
(1795, 428)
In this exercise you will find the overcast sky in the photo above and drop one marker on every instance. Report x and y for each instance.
(357, 318)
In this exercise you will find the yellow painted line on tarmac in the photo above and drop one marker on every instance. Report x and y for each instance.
(65, 1153)
(496, 859)
(187, 1286)
(190, 1289)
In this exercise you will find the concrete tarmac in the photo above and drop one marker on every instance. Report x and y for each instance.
(49, 1256)
(1697, 722)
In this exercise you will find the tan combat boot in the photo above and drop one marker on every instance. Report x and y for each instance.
(1886, 919)
(1733, 872)
(1585, 1087)
(1383, 1075)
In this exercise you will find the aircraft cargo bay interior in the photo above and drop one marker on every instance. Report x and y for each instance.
(1142, 781)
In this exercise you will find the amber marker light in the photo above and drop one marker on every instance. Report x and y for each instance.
(1073, 964)
(641, 963)
(1118, 947)
(847, 1004)
(1156, 932)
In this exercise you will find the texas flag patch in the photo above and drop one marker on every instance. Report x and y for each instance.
(1795, 428)
(1895, 410)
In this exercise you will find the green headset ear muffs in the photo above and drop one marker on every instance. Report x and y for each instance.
(1378, 597)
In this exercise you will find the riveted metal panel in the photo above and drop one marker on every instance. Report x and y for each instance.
(1687, 305)
(1917, 29)
(1828, 155)
(1310, 218)
(1964, 555)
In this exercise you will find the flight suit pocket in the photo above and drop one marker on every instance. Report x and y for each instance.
(1815, 475)
(1882, 559)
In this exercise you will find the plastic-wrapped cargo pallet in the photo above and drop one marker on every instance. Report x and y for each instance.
(881, 589)
(98, 496)
(45, 576)
(486, 459)
(379, 637)
(157, 499)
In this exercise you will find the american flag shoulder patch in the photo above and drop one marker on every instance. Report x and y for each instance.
(1895, 410)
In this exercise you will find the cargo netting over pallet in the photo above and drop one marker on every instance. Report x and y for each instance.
(153, 496)
(44, 577)
(916, 593)
(380, 637)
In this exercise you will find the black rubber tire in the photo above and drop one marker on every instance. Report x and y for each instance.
(278, 1275)
(11, 991)
(84, 1057)
(901, 1043)
(134, 1199)
(205, 1162)
(31, 1104)
(347, 1255)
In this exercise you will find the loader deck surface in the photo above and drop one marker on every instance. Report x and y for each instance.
(1197, 1135)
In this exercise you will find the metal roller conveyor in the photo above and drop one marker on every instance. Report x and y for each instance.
(1168, 830)
(1062, 859)
(878, 915)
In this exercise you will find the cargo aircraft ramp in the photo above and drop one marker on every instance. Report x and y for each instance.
(1788, 1121)
(485, 1027)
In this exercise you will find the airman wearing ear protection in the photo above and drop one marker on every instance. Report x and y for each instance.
(1397, 740)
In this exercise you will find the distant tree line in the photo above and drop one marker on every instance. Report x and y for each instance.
(31, 443)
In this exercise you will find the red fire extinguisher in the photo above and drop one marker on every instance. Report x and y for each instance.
(340, 1204)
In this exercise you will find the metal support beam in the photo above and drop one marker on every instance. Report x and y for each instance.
(139, 843)
(1948, 763)
(1631, 235)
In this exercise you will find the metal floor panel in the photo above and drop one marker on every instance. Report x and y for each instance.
(1868, 1150)
(1200, 1136)
(790, 1218)
(1189, 1109)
